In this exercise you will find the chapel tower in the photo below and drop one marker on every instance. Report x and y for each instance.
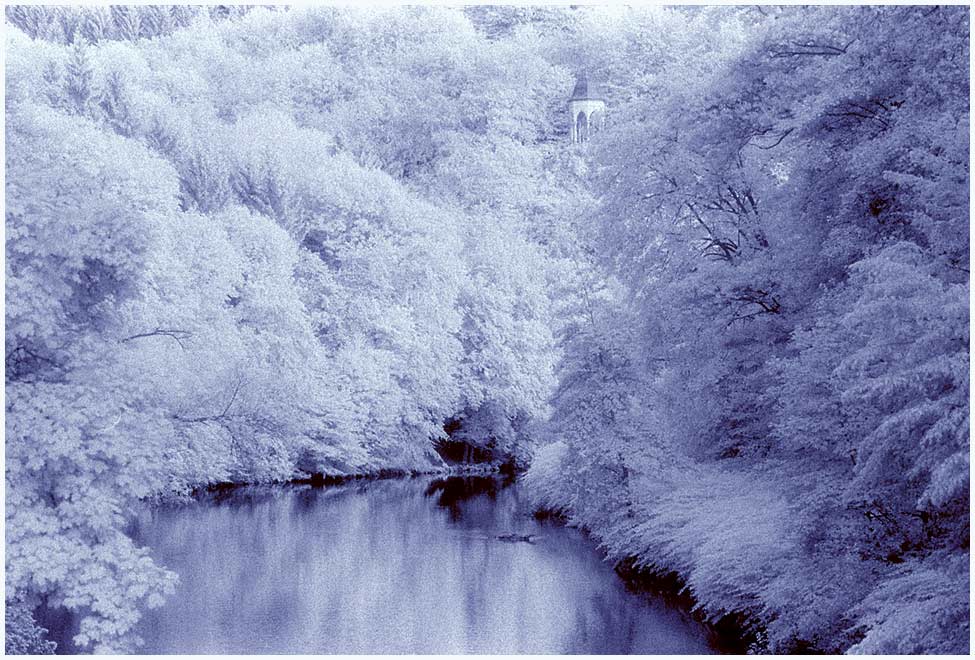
(586, 110)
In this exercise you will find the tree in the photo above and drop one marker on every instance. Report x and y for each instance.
(127, 21)
(79, 77)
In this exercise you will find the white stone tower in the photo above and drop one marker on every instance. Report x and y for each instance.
(586, 110)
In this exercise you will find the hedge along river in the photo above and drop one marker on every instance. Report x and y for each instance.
(450, 565)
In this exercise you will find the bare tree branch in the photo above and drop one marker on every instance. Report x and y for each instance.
(783, 136)
(798, 49)
(233, 397)
(178, 335)
(223, 414)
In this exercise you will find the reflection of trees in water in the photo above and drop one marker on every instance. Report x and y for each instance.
(601, 625)
(397, 566)
(308, 499)
(452, 492)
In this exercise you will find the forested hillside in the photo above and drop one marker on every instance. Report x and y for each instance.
(775, 404)
(730, 332)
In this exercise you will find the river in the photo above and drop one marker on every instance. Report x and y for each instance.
(394, 566)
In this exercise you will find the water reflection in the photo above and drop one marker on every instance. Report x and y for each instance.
(404, 566)
(451, 492)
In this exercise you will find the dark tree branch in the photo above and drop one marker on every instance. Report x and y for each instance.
(215, 418)
(178, 335)
(233, 397)
(727, 248)
(766, 302)
(783, 136)
(799, 49)
(22, 364)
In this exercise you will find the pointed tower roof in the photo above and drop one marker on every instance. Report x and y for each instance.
(583, 91)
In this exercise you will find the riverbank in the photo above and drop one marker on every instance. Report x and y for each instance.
(736, 546)
(711, 542)
(320, 479)
(732, 633)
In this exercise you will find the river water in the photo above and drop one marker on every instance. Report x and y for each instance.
(393, 566)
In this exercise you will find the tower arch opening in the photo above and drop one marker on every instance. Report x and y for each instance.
(582, 127)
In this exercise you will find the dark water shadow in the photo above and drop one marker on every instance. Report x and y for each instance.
(452, 492)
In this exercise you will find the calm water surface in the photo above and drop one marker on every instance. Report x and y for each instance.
(398, 566)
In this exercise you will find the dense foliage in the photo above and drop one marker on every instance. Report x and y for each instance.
(253, 244)
(248, 248)
(776, 404)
